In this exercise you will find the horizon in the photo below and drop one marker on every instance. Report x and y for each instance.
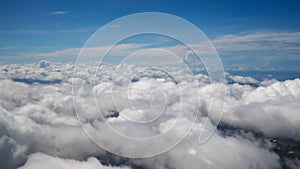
(256, 34)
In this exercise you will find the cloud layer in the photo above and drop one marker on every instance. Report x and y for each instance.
(245, 50)
(39, 160)
(38, 123)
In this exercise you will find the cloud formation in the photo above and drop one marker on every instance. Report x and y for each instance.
(249, 49)
(38, 122)
(279, 41)
(59, 13)
(39, 160)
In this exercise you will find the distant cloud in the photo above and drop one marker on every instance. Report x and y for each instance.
(59, 13)
(254, 50)
(38, 160)
(8, 48)
(36, 32)
(259, 41)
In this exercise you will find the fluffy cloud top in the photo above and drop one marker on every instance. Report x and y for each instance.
(38, 115)
(39, 160)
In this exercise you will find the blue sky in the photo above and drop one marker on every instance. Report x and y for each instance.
(254, 34)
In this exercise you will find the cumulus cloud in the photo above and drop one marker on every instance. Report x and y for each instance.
(242, 79)
(12, 154)
(38, 123)
(218, 152)
(271, 110)
(39, 160)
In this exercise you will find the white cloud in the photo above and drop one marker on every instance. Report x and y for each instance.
(268, 41)
(34, 31)
(271, 110)
(243, 80)
(39, 160)
(8, 48)
(40, 117)
(94, 52)
(286, 44)
(59, 13)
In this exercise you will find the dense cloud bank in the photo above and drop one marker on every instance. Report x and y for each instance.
(38, 160)
(39, 127)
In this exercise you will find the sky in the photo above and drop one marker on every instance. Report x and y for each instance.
(58, 114)
(246, 34)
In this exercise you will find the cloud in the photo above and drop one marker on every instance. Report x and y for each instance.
(94, 52)
(39, 160)
(259, 41)
(40, 117)
(38, 32)
(292, 164)
(243, 80)
(253, 50)
(240, 153)
(285, 42)
(8, 48)
(59, 13)
(271, 110)
(11, 152)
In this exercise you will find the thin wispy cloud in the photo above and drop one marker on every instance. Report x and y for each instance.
(230, 48)
(259, 41)
(269, 41)
(8, 48)
(36, 32)
(119, 50)
(59, 13)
